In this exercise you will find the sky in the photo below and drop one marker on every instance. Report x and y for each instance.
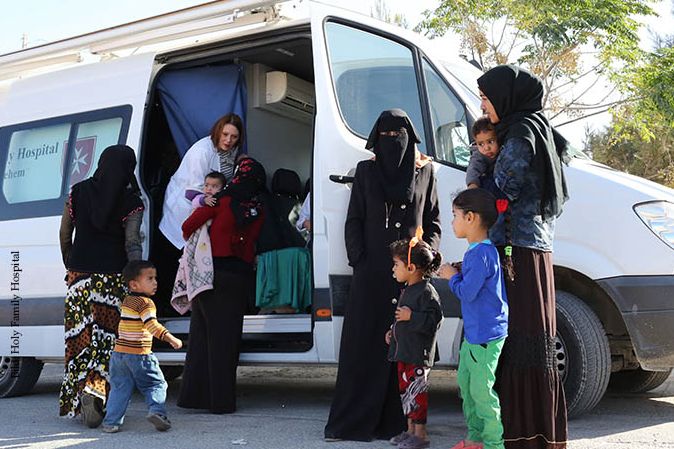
(41, 21)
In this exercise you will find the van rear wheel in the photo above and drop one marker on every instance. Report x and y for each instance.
(637, 381)
(18, 375)
(583, 357)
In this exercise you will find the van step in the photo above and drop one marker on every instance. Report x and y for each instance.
(253, 324)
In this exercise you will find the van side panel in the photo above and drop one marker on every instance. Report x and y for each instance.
(29, 247)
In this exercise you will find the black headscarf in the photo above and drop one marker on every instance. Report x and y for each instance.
(248, 182)
(112, 192)
(517, 95)
(395, 156)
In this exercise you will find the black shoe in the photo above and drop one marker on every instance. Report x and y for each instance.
(92, 410)
(160, 422)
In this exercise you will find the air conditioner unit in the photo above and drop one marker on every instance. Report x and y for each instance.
(286, 95)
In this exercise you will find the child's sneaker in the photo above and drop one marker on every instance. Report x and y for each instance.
(160, 422)
(402, 436)
(110, 429)
(414, 442)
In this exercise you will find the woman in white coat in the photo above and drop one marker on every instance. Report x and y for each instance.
(216, 152)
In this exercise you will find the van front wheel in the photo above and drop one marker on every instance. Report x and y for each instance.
(18, 375)
(583, 357)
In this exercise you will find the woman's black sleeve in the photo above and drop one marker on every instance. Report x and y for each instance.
(354, 228)
(431, 214)
(132, 238)
(66, 233)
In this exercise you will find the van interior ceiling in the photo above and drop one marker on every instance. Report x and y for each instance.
(280, 101)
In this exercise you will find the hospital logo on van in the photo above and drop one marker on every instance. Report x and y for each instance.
(82, 158)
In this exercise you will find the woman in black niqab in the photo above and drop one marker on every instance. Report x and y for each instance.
(391, 196)
(393, 140)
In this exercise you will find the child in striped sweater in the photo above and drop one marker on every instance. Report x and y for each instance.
(132, 363)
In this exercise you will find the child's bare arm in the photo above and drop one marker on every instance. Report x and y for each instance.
(175, 343)
(447, 271)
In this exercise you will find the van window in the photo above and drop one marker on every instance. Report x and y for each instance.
(371, 74)
(34, 166)
(39, 167)
(92, 139)
(448, 118)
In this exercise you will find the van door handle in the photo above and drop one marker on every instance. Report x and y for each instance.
(341, 179)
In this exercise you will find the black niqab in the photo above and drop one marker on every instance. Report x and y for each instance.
(112, 192)
(395, 155)
(517, 97)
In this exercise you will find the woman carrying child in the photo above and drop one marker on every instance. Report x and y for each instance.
(412, 338)
(528, 171)
(209, 378)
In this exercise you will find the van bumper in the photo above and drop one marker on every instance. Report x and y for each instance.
(646, 304)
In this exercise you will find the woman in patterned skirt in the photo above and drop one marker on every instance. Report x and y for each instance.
(106, 211)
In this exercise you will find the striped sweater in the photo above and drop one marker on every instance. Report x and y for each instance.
(137, 325)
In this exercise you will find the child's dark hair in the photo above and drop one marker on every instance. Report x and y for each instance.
(133, 269)
(478, 201)
(219, 176)
(422, 255)
(482, 125)
(483, 203)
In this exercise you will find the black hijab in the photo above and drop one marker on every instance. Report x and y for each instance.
(248, 182)
(112, 193)
(517, 96)
(395, 156)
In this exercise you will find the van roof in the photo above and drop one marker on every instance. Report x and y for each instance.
(170, 31)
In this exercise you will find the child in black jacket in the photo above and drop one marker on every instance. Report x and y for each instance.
(412, 337)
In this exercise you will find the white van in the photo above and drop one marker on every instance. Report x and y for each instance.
(336, 70)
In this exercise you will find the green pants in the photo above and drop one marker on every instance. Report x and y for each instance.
(481, 408)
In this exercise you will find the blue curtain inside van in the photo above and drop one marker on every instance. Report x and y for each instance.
(194, 99)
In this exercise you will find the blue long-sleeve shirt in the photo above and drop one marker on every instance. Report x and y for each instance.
(481, 290)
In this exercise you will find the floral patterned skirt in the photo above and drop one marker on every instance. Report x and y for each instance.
(92, 308)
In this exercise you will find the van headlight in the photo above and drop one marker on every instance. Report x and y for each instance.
(659, 217)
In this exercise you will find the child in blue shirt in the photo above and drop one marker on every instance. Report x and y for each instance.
(481, 289)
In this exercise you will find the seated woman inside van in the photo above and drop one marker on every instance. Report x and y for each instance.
(216, 152)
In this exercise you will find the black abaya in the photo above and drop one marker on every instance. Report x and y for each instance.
(367, 404)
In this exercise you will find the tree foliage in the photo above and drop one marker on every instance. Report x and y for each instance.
(640, 139)
(548, 36)
(625, 149)
(382, 12)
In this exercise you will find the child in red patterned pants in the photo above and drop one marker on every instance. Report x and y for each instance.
(412, 336)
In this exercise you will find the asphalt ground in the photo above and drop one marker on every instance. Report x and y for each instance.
(286, 407)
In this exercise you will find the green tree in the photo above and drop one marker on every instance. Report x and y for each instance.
(382, 12)
(550, 37)
(640, 139)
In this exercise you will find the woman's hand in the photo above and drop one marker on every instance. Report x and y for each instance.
(403, 313)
